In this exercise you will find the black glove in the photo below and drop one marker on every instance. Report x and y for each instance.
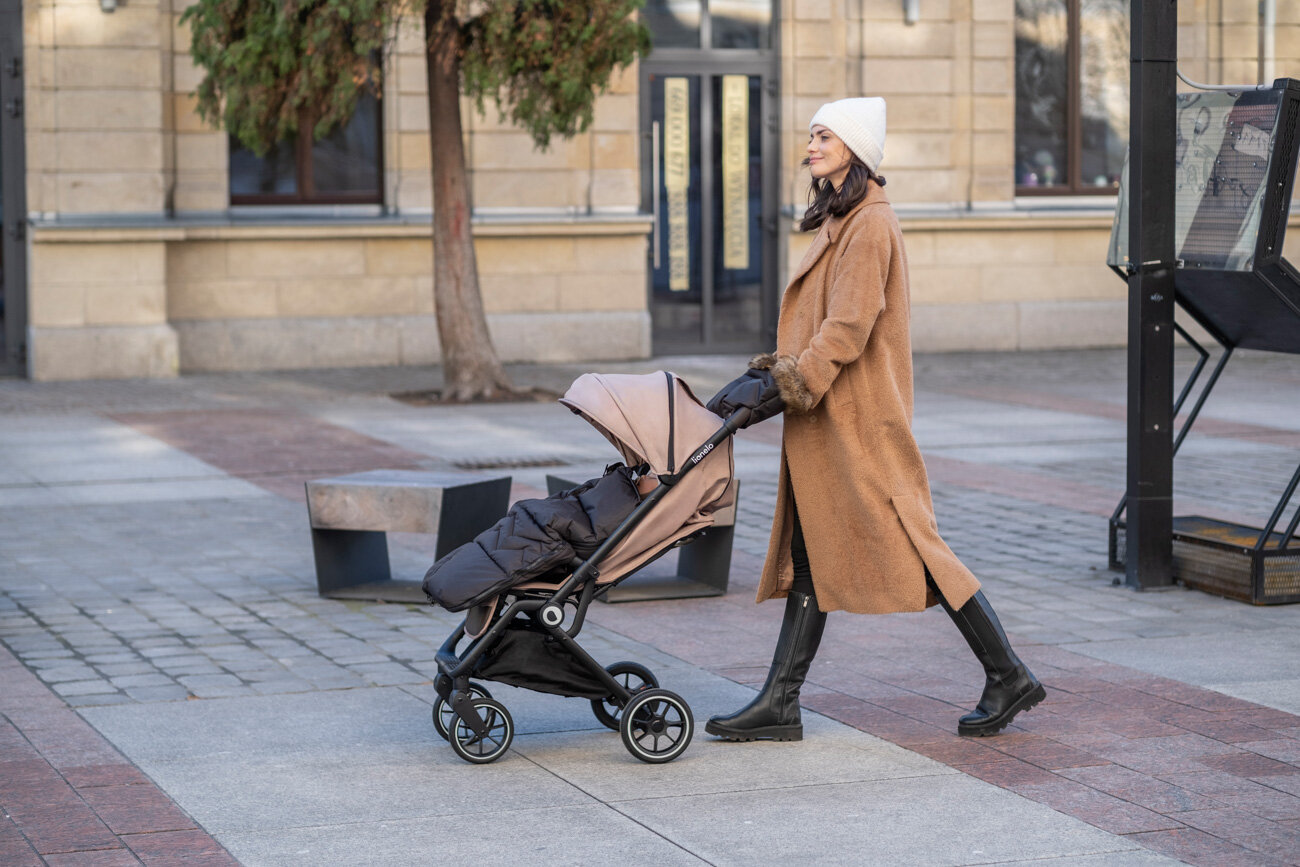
(755, 390)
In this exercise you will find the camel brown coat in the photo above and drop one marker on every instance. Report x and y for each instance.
(844, 364)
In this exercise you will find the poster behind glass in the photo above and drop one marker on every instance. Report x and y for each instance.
(1222, 152)
(737, 161)
(676, 269)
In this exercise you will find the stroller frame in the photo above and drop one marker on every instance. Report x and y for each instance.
(480, 728)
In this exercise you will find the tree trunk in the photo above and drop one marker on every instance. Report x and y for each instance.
(471, 369)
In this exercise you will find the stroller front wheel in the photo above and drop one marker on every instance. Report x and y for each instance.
(656, 726)
(481, 749)
(634, 677)
(442, 711)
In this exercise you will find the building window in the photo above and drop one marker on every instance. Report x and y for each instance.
(345, 167)
(1072, 77)
(726, 24)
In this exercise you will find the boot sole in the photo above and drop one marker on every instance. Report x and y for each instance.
(997, 724)
(765, 733)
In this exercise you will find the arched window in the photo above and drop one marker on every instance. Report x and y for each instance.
(1072, 76)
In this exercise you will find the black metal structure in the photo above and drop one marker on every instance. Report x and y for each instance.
(13, 197)
(1154, 47)
(1235, 164)
(716, 306)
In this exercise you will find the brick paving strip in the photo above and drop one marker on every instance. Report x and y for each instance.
(276, 450)
(1184, 771)
(1051, 400)
(1028, 485)
(68, 797)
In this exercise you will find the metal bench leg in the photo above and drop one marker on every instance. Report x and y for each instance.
(346, 558)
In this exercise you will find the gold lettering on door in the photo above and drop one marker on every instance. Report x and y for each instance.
(677, 180)
(735, 171)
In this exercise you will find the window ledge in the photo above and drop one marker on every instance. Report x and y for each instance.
(993, 218)
(1077, 212)
(301, 226)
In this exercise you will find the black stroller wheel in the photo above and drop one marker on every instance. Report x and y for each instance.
(656, 725)
(634, 677)
(442, 711)
(488, 748)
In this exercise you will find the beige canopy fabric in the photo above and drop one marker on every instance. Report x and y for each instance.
(655, 418)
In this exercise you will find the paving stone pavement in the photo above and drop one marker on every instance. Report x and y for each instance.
(174, 690)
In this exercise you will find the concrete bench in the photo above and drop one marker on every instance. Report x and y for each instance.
(703, 564)
(352, 515)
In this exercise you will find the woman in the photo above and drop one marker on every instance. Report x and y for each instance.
(854, 528)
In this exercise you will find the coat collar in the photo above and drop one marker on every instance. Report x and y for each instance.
(830, 230)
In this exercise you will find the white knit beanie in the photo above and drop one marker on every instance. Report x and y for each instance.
(860, 123)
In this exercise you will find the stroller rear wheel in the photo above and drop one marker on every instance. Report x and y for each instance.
(634, 677)
(656, 725)
(481, 749)
(442, 711)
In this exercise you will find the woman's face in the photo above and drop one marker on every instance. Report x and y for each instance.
(829, 157)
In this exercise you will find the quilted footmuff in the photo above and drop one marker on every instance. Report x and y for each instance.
(534, 539)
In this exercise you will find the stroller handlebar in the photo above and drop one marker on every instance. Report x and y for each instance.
(738, 419)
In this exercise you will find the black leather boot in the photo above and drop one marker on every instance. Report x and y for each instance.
(774, 713)
(1009, 686)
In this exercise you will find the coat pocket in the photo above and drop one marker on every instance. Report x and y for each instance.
(841, 400)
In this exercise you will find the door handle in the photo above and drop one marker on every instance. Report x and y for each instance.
(654, 183)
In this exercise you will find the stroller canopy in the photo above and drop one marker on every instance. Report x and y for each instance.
(655, 419)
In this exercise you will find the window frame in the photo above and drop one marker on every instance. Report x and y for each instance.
(302, 166)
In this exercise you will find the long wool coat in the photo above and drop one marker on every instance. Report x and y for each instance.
(844, 366)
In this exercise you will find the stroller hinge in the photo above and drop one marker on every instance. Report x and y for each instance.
(462, 702)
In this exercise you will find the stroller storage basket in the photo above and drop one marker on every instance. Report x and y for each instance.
(528, 656)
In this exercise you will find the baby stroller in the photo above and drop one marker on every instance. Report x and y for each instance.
(525, 634)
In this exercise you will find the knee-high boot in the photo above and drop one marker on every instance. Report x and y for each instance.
(774, 713)
(1009, 686)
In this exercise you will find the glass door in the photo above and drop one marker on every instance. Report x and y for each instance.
(709, 246)
(709, 122)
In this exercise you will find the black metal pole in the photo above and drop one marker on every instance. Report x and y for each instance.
(1149, 529)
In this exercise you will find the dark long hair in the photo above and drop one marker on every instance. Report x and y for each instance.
(824, 201)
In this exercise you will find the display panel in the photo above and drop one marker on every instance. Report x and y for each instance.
(1225, 142)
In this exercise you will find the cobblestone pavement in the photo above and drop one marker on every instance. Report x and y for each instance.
(155, 566)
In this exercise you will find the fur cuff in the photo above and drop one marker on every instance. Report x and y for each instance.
(794, 390)
(762, 362)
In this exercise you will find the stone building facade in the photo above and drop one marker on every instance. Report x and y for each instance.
(668, 226)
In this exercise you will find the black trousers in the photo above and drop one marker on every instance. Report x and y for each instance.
(799, 556)
(803, 572)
